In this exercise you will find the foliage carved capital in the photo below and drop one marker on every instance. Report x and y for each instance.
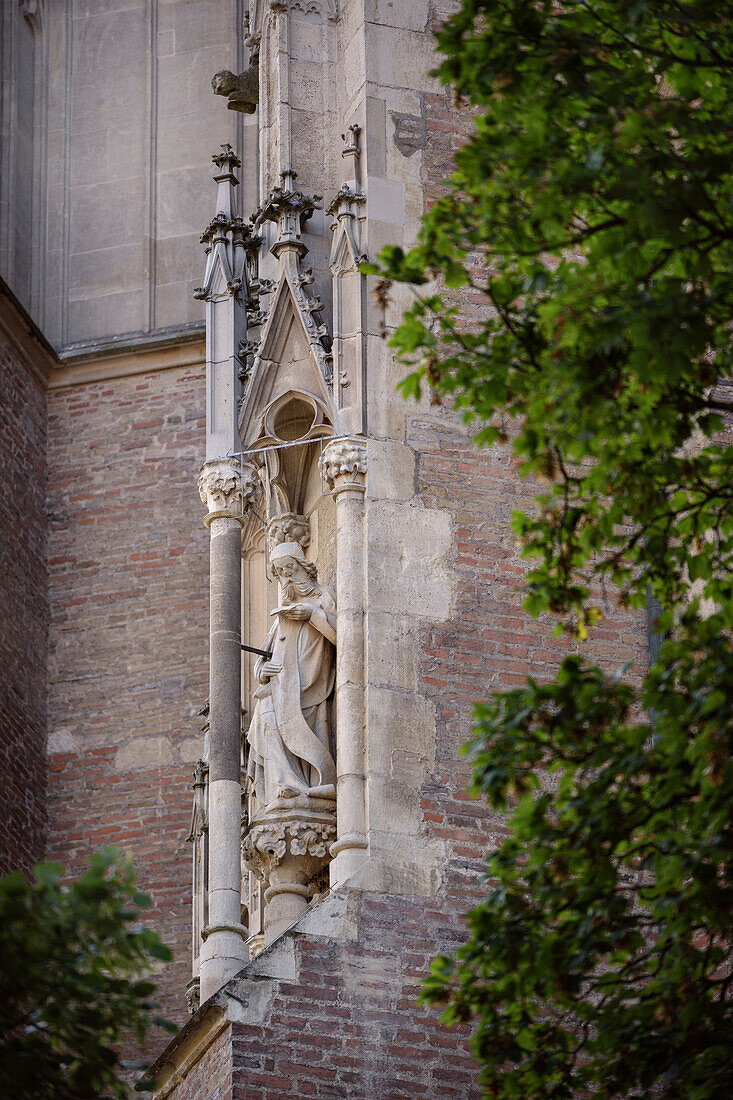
(227, 489)
(344, 465)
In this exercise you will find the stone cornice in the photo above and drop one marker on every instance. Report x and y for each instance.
(25, 337)
(122, 356)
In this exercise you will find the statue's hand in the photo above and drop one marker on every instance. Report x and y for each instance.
(299, 611)
(268, 669)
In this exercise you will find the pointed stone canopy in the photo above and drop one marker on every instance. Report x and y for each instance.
(294, 351)
(346, 251)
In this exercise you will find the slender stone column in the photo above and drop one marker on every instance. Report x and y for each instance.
(224, 952)
(344, 469)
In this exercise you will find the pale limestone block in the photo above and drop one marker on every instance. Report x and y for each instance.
(400, 58)
(390, 470)
(106, 270)
(104, 41)
(143, 752)
(277, 961)
(61, 740)
(395, 803)
(307, 86)
(113, 96)
(175, 303)
(386, 200)
(402, 733)
(351, 19)
(248, 1000)
(177, 259)
(392, 657)
(200, 25)
(407, 563)
(94, 317)
(408, 866)
(166, 43)
(335, 917)
(188, 750)
(354, 65)
(183, 204)
(100, 214)
(88, 160)
(409, 14)
(184, 81)
(126, 155)
(304, 44)
(386, 410)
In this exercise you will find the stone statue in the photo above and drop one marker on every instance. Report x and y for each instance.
(290, 733)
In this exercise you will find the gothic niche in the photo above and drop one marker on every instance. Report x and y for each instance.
(289, 610)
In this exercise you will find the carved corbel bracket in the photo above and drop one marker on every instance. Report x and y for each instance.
(298, 837)
(289, 527)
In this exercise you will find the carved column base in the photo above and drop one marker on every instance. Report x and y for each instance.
(286, 846)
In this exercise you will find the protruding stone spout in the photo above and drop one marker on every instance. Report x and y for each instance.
(242, 91)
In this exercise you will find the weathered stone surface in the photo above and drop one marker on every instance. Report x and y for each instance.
(144, 754)
(408, 560)
(391, 470)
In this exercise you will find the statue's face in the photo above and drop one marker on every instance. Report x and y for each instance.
(290, 571)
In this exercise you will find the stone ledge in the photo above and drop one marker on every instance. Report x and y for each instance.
(248, 996)
(127, 355)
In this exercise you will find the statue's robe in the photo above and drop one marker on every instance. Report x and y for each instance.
(290, 733)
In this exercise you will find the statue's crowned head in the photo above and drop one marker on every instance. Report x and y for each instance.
(290, 566)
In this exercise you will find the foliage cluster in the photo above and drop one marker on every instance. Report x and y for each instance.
(72, 980)
(592, 208)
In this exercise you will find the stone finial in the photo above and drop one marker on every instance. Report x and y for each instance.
(227, 489)
(290, 209)
(242, 91)
(343, 464)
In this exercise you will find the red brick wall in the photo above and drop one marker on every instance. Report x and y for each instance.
(23, 615)
(351, 1026)
(211, 1077)
(128, 644)
(491, 644)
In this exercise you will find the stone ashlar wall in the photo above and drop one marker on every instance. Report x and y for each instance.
(128, 661)
(23, 614)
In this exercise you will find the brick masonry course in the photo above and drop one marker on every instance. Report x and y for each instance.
(128, 642)
(23, 615)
